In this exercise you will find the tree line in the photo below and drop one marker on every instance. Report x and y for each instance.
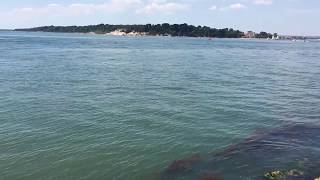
(164, 29)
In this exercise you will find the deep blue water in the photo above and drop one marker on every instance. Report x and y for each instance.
(76, 106)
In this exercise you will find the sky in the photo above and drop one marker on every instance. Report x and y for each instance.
(286, 17)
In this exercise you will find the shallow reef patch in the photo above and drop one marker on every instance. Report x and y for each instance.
(290, 152)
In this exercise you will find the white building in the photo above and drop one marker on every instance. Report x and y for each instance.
(250, 34)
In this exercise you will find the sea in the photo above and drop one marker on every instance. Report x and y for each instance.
(95, 107)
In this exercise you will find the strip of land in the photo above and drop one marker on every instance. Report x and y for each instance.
(164, 29)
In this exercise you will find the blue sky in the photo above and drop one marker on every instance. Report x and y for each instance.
(299, 17)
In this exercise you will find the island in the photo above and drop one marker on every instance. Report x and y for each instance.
(164, 29)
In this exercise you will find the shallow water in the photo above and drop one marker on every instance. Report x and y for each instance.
(292, 148)
(78, 106)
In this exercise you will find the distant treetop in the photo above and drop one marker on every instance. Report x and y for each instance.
(164, 29)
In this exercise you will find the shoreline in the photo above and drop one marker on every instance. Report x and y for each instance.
(119, 33)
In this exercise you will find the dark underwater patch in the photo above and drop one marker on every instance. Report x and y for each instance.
(291, 153)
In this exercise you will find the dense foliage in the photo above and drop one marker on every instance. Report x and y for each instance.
(151, 29)
(264, 35)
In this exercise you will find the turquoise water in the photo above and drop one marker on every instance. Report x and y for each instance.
(76, 106)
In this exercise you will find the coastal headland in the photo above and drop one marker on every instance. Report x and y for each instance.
(164, 29)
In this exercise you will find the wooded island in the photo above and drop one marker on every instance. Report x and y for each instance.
(164, 29)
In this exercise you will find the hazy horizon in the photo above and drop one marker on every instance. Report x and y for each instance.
(315, 35)
(287, 17)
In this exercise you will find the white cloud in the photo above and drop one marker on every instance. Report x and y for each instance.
(80, 9)
(113, 6)
(263, 2)
(213, 8)
(237, 6)
(76, 13)
(240, 6)
(162, 7)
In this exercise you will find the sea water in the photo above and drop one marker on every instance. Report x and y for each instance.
(76, 106)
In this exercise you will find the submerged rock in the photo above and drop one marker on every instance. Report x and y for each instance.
(275, 175)
(184, 164)
(279, 175)
(283, 148)
(294, 172)
(210, 177)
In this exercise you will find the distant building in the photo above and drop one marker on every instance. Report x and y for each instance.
(275, 36)
(250, 34)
